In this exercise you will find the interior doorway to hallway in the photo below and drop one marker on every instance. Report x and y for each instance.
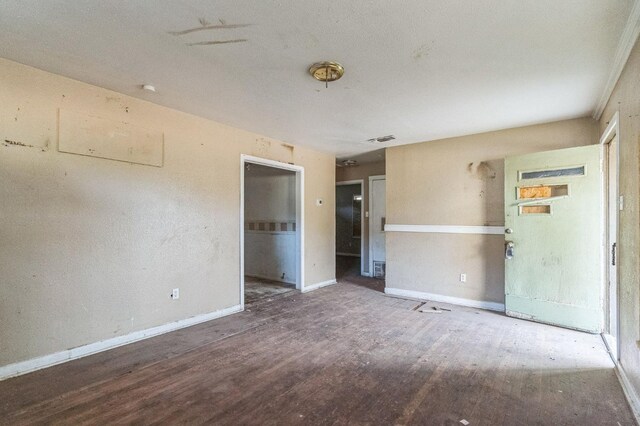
(349, 226)
(271, 229)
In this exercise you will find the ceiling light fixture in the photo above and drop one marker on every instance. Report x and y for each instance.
(149, 88)
(326, 71)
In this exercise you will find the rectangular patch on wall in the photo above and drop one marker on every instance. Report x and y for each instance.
(114, 140)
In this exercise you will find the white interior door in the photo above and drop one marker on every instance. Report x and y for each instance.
(554, 237)
(377, 220)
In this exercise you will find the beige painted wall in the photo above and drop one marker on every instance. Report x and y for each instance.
(459, 181)
(363, 172)
(626, 100)
(91, 248)
(269, 194)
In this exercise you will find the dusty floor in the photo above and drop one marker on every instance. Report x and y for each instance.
(343, 354)
(258, 288)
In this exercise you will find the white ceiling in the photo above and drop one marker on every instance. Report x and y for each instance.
(417, 69)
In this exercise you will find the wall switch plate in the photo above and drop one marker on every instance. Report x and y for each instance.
(175, 293)
(463, 278)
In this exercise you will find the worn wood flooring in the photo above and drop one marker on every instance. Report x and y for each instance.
(259, 288)
(344, 354)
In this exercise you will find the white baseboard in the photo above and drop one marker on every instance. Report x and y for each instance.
(365, 274)
(23, 367)
(316, 286)
(411, 294)
(629, 391)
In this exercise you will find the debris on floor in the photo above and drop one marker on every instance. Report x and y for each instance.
(464, 422)
(430, 310)
(419, 305)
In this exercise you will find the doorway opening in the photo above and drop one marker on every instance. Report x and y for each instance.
(377, 221)
(612, 207)
(349, 226)
(271, 229)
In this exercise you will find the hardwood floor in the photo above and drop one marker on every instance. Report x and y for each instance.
(344, 354)
(259, 288)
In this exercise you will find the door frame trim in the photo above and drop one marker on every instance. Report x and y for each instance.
(371, 179)
(299, 171)
(361, 183)
(612, 131)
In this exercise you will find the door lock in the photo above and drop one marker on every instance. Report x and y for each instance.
(508, 249)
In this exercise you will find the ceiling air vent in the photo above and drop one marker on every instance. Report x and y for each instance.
(382, 139)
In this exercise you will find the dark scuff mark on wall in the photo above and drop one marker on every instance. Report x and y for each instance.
(214, 42)
(8, 142)
(482, 170)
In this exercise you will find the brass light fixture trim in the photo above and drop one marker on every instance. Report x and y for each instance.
(326, 71)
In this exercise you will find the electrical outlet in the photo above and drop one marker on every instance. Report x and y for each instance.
(463, 278)
(175, 293)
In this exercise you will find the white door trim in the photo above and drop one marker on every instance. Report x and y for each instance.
(299, 170)
(612, 131)
(361, 183)
(371, 179)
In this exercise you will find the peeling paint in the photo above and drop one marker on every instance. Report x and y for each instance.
(208, 27)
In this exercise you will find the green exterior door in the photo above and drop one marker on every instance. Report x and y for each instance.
(554, 237)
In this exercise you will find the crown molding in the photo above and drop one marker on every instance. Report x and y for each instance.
(626, 43)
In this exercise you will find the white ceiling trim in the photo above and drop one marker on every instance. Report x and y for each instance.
(627, 41)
